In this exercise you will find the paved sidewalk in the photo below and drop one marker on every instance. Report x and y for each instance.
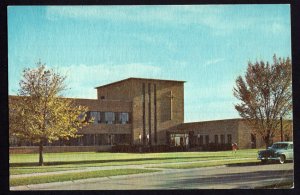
(143, 166)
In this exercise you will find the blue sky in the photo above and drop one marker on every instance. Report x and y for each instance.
(207, 46)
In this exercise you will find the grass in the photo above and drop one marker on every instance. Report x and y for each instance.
(27, 163)
(37, 169)
(76, 160)
(94, 156)
(75, 176)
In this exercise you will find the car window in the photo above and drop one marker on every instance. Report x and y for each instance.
(291, 146)
(280, 146)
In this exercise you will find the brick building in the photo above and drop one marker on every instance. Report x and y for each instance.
(217, 132)
(135, 111)
(151, 112)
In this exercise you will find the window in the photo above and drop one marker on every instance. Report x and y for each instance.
(81, 116)
(102, 117)
(109, 117)
(123, 118)
(165, 107)
(216, 139)
(207, 139)
(222, 139)
(88, 139)
(229, 139)
(200, 140)
(95, 116)
(122, 138)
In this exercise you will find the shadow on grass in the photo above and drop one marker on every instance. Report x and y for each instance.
(105, 161)
(252, 164)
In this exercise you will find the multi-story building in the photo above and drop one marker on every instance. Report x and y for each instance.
(151, 112)
(134, 111)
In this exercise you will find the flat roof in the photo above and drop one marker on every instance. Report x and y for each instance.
(135, 78)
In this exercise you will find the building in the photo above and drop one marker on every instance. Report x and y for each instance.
(217, 132)
(139, 111)
(131, 111)
(134, 111)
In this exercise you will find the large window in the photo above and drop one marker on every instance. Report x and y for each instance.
(216, 139)
(95, 116)
(165, 107)
(207, 139)
(200, 139)
(81, 116)
(109, 117)
(123, 117)
(222, 139)
(229, 139)
(88, 139)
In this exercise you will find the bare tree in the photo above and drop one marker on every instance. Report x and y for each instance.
(39, 113)
(265, 93)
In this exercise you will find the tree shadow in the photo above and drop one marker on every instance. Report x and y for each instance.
(252, 164)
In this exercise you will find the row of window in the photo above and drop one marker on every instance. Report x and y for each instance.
(84, 140)
(109, 117)
(103, 139)
(218, 139)
(186, 139)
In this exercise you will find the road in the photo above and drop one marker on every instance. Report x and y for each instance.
(242, 177)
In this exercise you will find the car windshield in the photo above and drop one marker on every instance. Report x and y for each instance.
(280, 146)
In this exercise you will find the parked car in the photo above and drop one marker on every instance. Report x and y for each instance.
(279, 151)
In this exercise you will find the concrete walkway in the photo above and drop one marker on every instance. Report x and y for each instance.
(142, 166)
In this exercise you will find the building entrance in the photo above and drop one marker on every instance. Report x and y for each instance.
(179, 140)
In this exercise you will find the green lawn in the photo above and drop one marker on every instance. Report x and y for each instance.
(110, 157)
(27, 163)
(75, 176)
(38, 169)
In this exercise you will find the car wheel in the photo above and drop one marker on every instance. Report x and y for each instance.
(281, 159)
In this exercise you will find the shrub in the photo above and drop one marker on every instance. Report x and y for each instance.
(216, 147)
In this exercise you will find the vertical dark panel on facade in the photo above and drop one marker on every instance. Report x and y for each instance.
(144, 116)
(155, 116)
(149, 109)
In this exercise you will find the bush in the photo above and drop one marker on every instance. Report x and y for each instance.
(141, 148)
(167, 148)
(216, 147)
(124, 148)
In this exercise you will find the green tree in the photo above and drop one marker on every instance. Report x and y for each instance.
(40, 113)
(265, 95)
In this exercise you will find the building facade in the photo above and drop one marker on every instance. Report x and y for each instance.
(215, 132)
(138, 111)
(134, 111)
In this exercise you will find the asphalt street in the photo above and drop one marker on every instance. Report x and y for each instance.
(223, 177)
